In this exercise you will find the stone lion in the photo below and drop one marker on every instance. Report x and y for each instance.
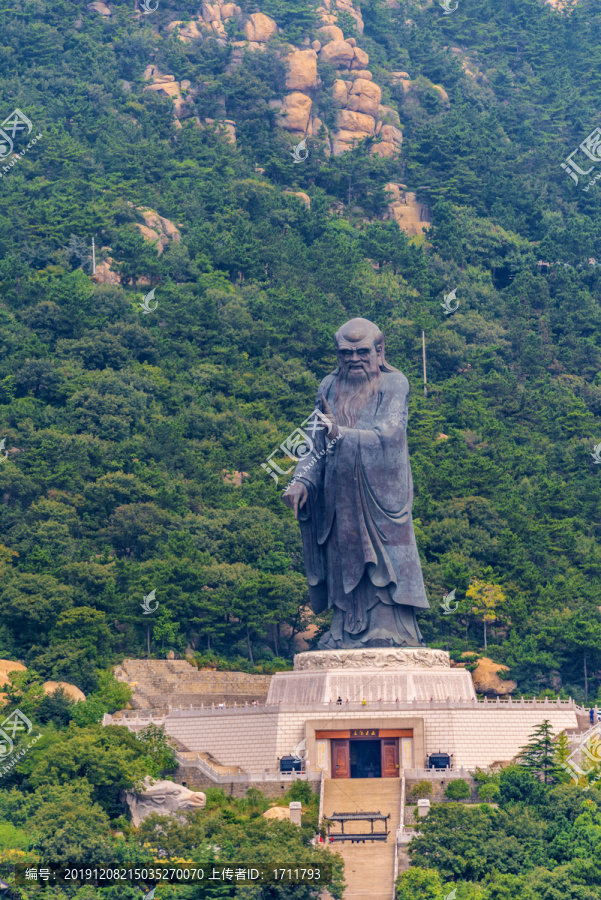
(163, 797)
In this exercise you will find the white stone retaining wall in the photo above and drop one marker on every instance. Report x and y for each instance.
(254, 738)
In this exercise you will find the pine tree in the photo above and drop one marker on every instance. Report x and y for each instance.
(539, 754)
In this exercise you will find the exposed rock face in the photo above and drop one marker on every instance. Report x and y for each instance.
(302, 196)
(7, 666)
(486, 680)
(364, 96)
(360, 59)
(187, 32)
(347, 120)
(164, 798)
(280, 813)
(392, 134)
(338, 53)
(259, 27)
(99, 7)
(105, 274)
(210, 12)
(70, 690)
(413, 217)
(296, 111)
(302, 70)
(331, 32)
(228, 126)
(157, 229)
(168, 87)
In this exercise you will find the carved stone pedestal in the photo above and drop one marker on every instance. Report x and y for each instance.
(380, 674)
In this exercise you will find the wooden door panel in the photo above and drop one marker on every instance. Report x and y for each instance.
(390, 758)
(341, 762)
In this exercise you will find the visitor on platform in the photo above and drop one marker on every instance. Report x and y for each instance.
(339, 701)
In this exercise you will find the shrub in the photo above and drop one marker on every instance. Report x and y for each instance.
(300, 792)
(457, 790)
(489, 792)
(421, 790)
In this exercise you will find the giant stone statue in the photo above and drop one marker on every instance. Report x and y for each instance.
(353, 501)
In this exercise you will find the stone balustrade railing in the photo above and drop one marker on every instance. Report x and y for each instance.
(140, 716)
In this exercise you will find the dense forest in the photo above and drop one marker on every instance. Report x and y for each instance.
(132, 441)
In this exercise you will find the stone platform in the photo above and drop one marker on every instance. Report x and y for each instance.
(377, 674)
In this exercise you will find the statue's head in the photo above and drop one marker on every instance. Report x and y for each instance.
(360, 350)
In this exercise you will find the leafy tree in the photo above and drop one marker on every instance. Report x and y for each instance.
(486, 598)
(159, 748)
(419, 883)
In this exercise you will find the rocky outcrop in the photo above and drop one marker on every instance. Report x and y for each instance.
(259, 27)
(331, 33)
(157, 229)
(7, 666)
(486, 679)
(412, 216)
(364, 96)
(302, 70)
(338, 53)
(302, 196)
(99, 7)
(295, 113)
(186, 32)
(72, 692)
(105, 274)
(358, 97)
(279, 813)
(168, 87)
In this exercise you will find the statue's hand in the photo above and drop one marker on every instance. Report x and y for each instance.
(295, 497)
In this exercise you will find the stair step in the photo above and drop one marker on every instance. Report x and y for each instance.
(368, 868)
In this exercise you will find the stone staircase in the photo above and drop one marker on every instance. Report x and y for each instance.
(369, 867)
(158, 684)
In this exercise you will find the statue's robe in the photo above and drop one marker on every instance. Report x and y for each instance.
(359, 546)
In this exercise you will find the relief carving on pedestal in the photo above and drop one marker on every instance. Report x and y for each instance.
(376, 658)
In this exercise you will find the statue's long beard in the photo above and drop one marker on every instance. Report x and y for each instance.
(354, 389)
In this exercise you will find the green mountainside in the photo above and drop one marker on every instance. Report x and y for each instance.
(119, 425)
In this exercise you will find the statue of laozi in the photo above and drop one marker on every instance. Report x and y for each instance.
(353, 501)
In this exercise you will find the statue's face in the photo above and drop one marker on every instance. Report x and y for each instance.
(358, 359)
